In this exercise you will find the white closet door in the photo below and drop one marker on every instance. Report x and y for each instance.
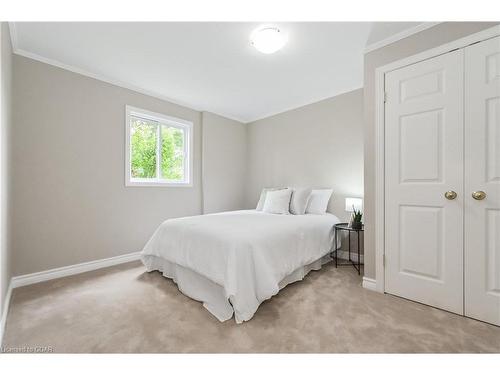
(423, 160)
(482, 174)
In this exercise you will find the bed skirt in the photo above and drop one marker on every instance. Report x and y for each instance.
(212, 295)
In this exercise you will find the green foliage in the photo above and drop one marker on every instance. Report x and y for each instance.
(356, 216)
(143, 150)
(143, 143)
(172, 155)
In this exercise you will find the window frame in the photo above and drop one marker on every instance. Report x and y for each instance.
(185, 125)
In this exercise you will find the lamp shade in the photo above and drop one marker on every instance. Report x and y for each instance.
(357, 203)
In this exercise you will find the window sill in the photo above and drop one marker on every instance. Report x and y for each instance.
(157, 184)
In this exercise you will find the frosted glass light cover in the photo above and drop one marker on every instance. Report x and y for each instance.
(268, 39)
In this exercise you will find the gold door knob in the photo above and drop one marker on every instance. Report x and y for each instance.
(478, 195)
(450, 195)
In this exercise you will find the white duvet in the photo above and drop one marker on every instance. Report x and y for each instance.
(246, 252)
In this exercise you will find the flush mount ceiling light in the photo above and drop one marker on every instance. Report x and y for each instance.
(268, 39)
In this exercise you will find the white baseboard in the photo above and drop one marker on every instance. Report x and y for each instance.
(345, 255)
(370, 284)
(56, 273)
(5, 310)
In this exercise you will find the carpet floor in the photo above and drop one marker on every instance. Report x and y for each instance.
(123, 309)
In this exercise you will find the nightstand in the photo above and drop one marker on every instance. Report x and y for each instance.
(334, 254)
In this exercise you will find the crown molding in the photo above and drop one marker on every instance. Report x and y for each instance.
(114, 82)
(13, 35)
(33, 56)
(314, 101)
(401, 35)
(98, 77)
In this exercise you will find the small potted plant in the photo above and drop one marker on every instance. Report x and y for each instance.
(356, 219)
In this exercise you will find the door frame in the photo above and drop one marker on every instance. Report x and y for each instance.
(380, 136)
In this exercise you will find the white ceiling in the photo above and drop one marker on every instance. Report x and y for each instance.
(211, 66)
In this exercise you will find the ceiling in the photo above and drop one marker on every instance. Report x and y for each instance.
(211, 66)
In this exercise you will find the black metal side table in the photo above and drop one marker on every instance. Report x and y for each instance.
(345, 226)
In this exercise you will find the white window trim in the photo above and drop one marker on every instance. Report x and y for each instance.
(186, 126)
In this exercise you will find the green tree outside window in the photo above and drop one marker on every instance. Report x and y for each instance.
(144, 141)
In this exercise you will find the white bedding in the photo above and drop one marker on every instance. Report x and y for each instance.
(247, 253)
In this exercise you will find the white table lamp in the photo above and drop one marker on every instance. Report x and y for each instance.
(356, 203)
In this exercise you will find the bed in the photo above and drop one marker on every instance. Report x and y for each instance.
(233, 261)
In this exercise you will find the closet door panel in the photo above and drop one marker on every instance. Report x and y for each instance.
(482, 174)
(423, 160)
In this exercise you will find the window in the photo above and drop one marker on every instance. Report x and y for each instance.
(158, 149)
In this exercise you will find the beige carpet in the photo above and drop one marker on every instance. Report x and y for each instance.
(124, 309)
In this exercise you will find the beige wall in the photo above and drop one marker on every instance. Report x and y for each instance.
(70, 205)
(5, 126)
(430, 38)
(318, 145)
(69, 200)
(224, 163)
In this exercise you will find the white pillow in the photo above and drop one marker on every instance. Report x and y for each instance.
(278, 201)
(318, 201)
(262, 199)
(300, 198)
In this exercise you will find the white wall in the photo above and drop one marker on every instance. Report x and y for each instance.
(430, 38)
(5, 125)
(318, 145)
(224, 163)
(69, 200)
